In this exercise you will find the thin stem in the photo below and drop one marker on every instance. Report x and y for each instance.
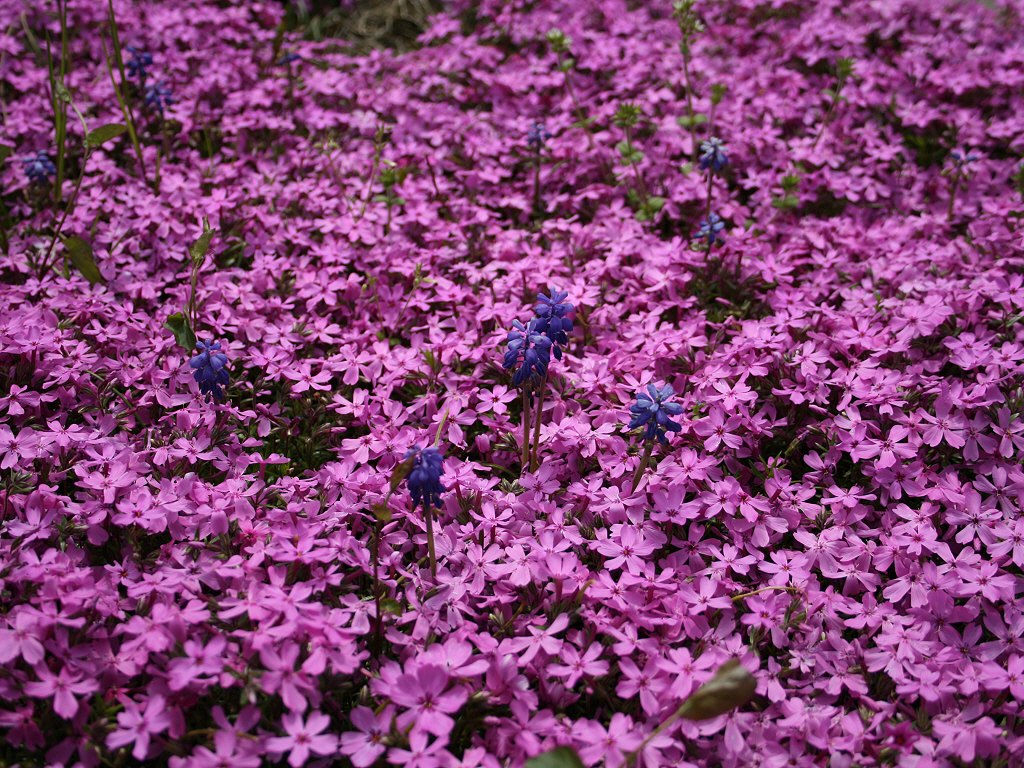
(378, 630)
(429, 517)
(636, 172)
(689, 96)
(576, 104)
(952, 196)
(526, 429)
(536, 183)
(711, 178)
(534, 462)
(645, 460)
(828, 115)
(45, 266)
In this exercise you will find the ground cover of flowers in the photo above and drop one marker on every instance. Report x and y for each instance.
(220, 563)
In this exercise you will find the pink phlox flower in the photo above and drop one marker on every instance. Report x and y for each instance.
(422, 691)
(717, 429)
(576, 665)
(607, 746)
(62, 687)
(649, 683)
(947, 425)
(542, 638)
(966, 735)
(1010, 432)
(628, 546)
(281, 677)
(368, 743)
(421, 754)
(138, 725)
(303, 738)
(22, 638)
(199, 660)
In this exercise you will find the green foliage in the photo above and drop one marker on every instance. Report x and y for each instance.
(80, 255)
(183, 334)
(559, 757)
(687, 122)
(104, 134)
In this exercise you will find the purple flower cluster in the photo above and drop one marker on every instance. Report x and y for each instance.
(838, 508)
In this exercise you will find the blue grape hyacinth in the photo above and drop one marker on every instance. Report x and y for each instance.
(652, 411)
(528, 345)
(424, 478)
(209, 368)
(711, 228)
(136, 65)
(537, 135)
(713, 155)
(158, 96)
(38, 167)
(551, 318)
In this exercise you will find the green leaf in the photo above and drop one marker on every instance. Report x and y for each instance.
(560, 757)
(178, 325)
(568, 64)
(787, 202)
(400, 472)
(636, 157)
(104, 134)
(390, 605)
(656, 203)
(624, 148)
(698, 119)
(5, 152)
(80, 254)
(382, 512)
(199, 248)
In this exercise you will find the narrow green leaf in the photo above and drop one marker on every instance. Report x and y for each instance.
(104, 134)
(80, 254)
(178, 325)
(560, 757)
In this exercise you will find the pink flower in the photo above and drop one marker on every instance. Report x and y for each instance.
(138, 726)
(303, 737)
(428, 705)
(366, 745)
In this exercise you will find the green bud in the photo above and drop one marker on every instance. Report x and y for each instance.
(717, 92)
(627, 115)
(558, 40)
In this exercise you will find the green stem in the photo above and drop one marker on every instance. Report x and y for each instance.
(711, 178)
(828, 115)
(525, 451)
(429, 517)
(685, 45)
(534, 461)
(645, 460)
(952, 196)
(636, 172)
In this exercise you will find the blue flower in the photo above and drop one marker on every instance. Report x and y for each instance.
(551, 318)
(537, 135)
(38, 167)
(288, 58)
(158, 96)
(529, 345)
(959, 159)
(425, 476)
(137, 64)
(209, 368)
(653, 410)
(711, 228)
(713, 155)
